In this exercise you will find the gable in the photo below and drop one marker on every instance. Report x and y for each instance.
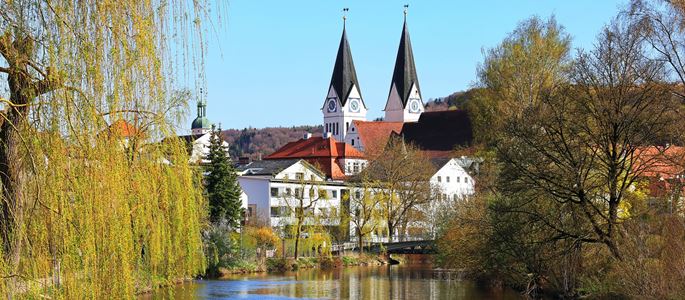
(303, 168)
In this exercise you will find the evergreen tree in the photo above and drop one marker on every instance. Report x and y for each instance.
(221, 184)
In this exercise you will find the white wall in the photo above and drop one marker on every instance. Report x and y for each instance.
(460, 182)
(396, 112)
(201, 148)
(256, 188)
(343, 114)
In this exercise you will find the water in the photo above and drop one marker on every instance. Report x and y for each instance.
(377, 282)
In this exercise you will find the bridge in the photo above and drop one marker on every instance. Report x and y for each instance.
(406, 247)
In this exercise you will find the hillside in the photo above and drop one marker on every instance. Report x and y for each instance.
(253, 142)
(456, 100)
(256, 142)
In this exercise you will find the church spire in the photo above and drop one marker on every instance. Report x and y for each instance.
(201, 124)
(404, 76)
(344, 74)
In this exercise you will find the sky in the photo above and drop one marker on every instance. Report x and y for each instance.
(272, 63)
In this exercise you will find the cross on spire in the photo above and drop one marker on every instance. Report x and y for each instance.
(406, 7)
(345, 10)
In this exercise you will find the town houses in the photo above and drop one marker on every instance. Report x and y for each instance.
(318, 170)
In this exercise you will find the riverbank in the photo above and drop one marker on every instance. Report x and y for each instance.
(280, 265)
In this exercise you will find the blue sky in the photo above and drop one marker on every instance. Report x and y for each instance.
(273, 63)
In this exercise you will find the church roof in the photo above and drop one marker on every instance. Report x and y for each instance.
(344, 75)
(200, 122)
(374, 135)
(439, 133)
(404, 74)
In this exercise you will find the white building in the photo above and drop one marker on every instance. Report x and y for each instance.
(274, 189)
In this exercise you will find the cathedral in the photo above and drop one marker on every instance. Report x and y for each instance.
(344, 110)
(344, 107)
(348, 143)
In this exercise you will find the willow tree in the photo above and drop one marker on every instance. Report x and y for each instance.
(91, 202)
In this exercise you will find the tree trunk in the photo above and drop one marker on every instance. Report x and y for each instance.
(297, 238)
(12, 174)
(360, 242)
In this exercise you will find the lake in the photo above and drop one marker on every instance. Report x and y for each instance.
(371, 282)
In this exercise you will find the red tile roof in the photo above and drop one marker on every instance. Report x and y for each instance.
(662, 167)
(320, 152)
(374, 135)
(122, 128)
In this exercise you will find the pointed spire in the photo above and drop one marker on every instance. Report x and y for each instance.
(344, 74)
(404, 75)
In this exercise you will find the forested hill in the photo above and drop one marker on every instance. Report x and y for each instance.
(456, 100)
(254, 142)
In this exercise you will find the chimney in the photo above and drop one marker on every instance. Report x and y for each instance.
(307, 135)
(244, 160)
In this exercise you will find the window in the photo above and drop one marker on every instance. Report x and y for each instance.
(447, 178)
(275, 211)
(466, 179)
(274, 192)
(458, 179)
(299, 176)
(334, 194)
(456, 197)
(312, 177)
(357, 195)
(323, 194)
(355, 167)
(298, 192)
(352, 142)
(439, 179)
(347, 126)
(288, 191)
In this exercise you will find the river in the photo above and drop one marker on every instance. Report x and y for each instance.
(376, 282)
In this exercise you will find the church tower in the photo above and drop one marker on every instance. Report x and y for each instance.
(344, 102)
(201, 124)
(404, 99)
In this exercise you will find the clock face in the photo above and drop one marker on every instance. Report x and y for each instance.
(331, 105)
(354, 105)
(414, 105)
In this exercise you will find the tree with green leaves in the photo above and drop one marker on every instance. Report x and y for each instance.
(516, 73)
(221, 184)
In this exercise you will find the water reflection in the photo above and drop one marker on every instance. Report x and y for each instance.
(384, 282)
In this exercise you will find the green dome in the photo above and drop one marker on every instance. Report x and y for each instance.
(201, 122)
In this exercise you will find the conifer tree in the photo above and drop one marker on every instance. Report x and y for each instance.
(221, 184)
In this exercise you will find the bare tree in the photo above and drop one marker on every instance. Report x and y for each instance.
(403, 176)
(364, 212)
(301, 201)
(573, 158)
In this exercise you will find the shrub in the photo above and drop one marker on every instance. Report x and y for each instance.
(277, 265)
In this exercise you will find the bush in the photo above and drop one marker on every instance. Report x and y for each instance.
(327, 263)
(277, 265)
(350, 261)
(221, 250)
